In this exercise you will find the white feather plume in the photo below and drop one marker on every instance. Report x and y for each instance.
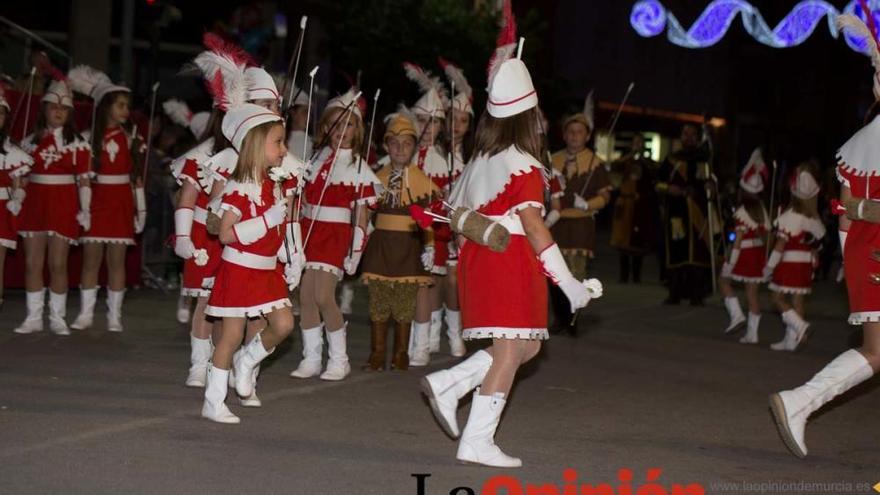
(456, 75)
(856, 27)
(230, 89)
(419, 76)
(502, 54)
(178, 111)
(83, 79)
(590, 110)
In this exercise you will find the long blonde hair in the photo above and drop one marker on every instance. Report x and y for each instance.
(252, 158)
(329, 117)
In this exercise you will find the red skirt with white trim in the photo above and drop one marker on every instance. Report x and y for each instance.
(50, 209)
(750, 265)
(197, 280)
(792, 278)
(861, 267)
(8, 227)
(502, 295)
(246, 292)
(327, 245)
(113, 213)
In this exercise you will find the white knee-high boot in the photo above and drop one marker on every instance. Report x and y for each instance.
(57, 312)
(421, 354)
(33, 322)
(214, 407)
(313, 349)
(734, 310)
(477, 444)
(338, 366)
(751, 336)
(434, 335)
(445, 388)
(199, 357)
(87, 309)
(114, 309)
(791, 408)
(453, 331)
(244, 361)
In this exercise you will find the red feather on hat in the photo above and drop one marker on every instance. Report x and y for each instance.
(506, 42)
(215, 43)
(45, 66)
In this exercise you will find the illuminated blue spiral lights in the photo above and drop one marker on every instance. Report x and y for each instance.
(650, 18)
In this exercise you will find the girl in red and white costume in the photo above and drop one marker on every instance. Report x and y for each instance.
(748, 256)
(14, 163)
(118, 207)
(858, 172)
(791, 263)
(339, 188)
(250, 282)
(56, 206)
(503, 295)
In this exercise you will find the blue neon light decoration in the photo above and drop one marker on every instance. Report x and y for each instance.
(650, 18)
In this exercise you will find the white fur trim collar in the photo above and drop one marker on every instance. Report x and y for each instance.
(344, 171)
(793, 223)
(743, 216)
(487, 177)
(860, 154)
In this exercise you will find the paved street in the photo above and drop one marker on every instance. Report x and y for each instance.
(642, 386)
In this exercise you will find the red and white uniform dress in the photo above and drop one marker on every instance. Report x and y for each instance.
(250, 279)
(14, 162)
(794, 274)
(749, 265)
(436, 167)
(191, 168)
(330, 197)
(52, 201)
(859, 170)
(112, 208)
(458, 167)
(502, 295)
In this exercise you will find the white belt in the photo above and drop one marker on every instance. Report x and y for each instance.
(200, 215)
(750, 243)
(112, 179)
(333, 214)
(797, 257)
(51, 180)
(511, 222)
(249, 260)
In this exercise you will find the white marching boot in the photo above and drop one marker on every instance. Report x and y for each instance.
(421, 354)
(434, 334)
(751, 336)
(791, 408)
(795, 332)
(453, 331)
(346, 297)
(86, 315)
(199, 358)
(183, 311)
(33, 322)
(313, 349)
(734, 310)
(114, 310)
(214, 407)
(477, 444)
(57, 312)
(252, 400)
(243, 363)
(445, 388)
(338, 366)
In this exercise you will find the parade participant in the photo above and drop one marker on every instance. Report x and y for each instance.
(682, 181)
(748, 256)
(250, 282)
(633, 227)
(339, 186)
(503, 295)
(460, 117)
(14, 164)
(299, 142)
(586, 189)
(394, 264)
(857, 171)
(55, 208)
(790, 265)
(118, 207)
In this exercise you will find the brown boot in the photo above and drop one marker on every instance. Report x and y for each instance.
(376, 361)
(400, 360)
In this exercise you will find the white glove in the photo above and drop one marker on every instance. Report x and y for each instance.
(351, 262)
(292, 274)
(555, 268)
(183, 245)
(726, 270)
(594, 287)
(276, 214)
(453, 249)
(200, 256)
(358, 242)
(775, 257)
(580, 203)
(551, 218)
(14, 203)
(84, 217)
(428, 258)
(840, 233)
(140, 220)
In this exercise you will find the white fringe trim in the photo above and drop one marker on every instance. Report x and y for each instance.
(188, 292)
(505, 333)
(108, 240)
(789, 290)
(250, 311)
(863, 317)
(747, 280)
(7, 243)
(324, 267)
(51, 233)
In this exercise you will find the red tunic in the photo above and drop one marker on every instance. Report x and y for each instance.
(752, 252)
(14, 162)
(250, 280)
(794, 274)
(327, 211)
(502, 295)
(113, 211)
(197, 279)
(52, 201)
